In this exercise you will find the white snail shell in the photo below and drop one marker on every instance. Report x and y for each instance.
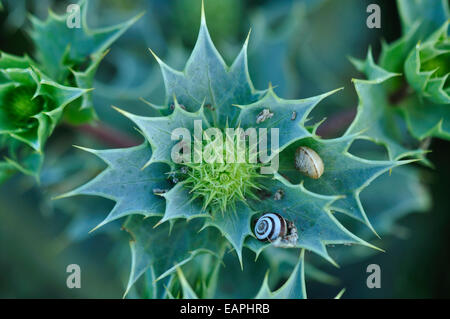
(270, 226)
(308, 162)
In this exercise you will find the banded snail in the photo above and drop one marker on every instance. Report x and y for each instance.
(274, 228)
(270, 226)
(308, 162)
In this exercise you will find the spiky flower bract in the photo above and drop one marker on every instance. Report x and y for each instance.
(220, 185)
(222, 173)
(71, 55)
(208, 94)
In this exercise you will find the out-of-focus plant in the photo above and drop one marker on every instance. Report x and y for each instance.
(406, 95)
(36, 95)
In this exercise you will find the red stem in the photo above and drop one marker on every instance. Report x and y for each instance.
(108, 135)
(335, 124)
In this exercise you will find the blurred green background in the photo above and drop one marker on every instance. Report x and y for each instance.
(302, 48)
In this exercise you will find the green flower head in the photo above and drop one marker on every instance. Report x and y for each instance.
(30, 103)
(427, 67)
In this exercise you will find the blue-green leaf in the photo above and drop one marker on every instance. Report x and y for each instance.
(125, 182)
(293, 288)
(166, 247)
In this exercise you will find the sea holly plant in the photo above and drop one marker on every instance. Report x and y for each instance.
(74, 58)
(427, 69)
(405, 98)
(221, 155)
(31, 104)
(36, 95)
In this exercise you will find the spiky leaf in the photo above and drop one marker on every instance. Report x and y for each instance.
(430, 13)
(126, 183)
(345, 175)
(288, 116)
(310, 213)
(165, 247)
(419, 19)
(293, 288)
(377, 118)
(207, 80)
(31, 104)
(421, 97)
(188, 292)
(74, 45)
(428, 65)
(70, 54)
(158, 130)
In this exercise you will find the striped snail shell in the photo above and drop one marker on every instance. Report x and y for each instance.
(270, 226)
(308, 162)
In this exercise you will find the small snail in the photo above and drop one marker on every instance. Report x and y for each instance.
(308, 162)
(263, 115)
(270, 226)
(278, 194)
(293, 116)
